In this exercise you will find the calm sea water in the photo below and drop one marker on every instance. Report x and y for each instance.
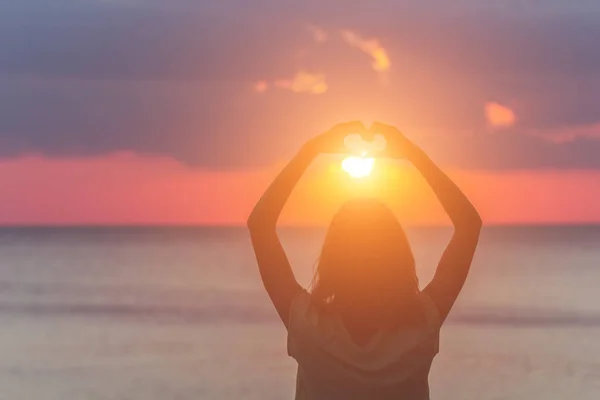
(180, 313)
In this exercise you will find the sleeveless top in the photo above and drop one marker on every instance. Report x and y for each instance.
(331, 366)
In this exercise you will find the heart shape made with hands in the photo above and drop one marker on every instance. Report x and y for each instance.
(360, 166)
(358, 145)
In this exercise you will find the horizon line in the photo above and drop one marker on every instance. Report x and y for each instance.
(303, 226)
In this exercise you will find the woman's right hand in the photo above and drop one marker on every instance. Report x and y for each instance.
(398, 146)
(332, 141)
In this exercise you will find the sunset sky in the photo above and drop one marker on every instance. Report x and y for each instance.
(182, 112)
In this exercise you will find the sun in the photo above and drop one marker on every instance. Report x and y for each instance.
(358, 167)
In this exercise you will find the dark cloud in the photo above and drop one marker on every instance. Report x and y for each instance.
(176, 78)
(122, 41)
(515, 150)
(181, 40)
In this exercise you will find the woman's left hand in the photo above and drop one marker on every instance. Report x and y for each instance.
(398, 145)
(332, 141)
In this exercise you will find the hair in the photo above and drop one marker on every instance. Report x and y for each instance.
(366, 266)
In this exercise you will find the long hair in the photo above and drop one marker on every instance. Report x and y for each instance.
(366, 266)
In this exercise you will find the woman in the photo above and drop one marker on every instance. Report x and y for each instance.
(365, 331)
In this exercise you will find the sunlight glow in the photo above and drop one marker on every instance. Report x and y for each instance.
(358, 167)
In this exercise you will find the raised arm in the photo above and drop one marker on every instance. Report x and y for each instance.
(455, 263)
(274, 267)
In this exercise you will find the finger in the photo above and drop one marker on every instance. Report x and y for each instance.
(377, 128)
(367, 134)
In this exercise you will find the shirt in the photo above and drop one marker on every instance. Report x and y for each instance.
(331, 366)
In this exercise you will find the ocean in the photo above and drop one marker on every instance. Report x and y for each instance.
(181, 314)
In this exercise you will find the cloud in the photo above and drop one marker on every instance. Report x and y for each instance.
(381, 60)
(516, 150)
(499, 116)
(218, 126)
(261, 86)
(200, 40)
(145, 41)
(180, 79)
(304, 82)
(318, 34)
(562, 134)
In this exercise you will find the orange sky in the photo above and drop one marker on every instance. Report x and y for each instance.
(186, 124)
(129, 189)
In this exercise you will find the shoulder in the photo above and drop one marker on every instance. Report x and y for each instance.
(302, 310)
(432, 313)
(298, 323)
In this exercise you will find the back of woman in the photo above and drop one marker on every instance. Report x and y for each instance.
(365, 330)
(392, 364)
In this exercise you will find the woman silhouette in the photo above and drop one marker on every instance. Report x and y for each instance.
(365, 330)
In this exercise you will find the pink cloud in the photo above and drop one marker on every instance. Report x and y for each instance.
(318, 34)
(372, 47)
(304, 82)
(570, 133)
(261, 86)
(499, 116)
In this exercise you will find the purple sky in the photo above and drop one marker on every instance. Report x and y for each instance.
(175, 78)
